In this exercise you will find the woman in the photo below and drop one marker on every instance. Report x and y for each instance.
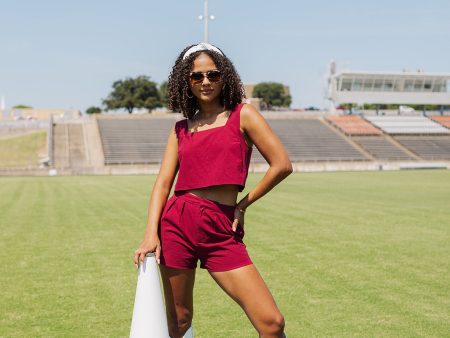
(210, 150)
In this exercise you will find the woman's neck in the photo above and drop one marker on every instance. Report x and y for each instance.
(210, 109)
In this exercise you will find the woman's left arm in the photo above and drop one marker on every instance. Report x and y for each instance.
(269, 145)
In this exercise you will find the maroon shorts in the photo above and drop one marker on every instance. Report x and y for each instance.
(194, 228)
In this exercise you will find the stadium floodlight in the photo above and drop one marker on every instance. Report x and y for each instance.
(206, 17)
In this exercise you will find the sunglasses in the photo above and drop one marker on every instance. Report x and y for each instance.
(197, 78)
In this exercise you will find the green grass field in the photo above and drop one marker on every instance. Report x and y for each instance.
(363, 254)
(23, 150)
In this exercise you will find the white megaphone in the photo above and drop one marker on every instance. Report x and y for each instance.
(149, 315)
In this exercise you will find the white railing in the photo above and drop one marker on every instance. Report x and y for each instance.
(24, 124)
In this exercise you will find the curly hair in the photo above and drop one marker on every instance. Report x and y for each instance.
(179, 94)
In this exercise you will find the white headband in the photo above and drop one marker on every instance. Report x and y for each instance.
(201, 46)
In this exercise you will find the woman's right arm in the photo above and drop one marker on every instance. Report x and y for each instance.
(158, 199)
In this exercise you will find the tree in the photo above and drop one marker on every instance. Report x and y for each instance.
(93, 110)
(163, 93)
(133, 93)
(272, 94)
(22, 106)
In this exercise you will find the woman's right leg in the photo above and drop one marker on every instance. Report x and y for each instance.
(246, 286)
(178, 292)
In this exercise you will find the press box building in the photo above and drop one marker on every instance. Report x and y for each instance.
(401, 88)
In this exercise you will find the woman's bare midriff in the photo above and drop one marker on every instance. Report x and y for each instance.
(224, 194)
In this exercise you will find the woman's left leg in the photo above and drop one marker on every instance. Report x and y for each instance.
(246, 286)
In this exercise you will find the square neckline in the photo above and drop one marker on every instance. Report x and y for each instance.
(201, 131)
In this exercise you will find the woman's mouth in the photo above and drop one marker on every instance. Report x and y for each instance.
(206, 91)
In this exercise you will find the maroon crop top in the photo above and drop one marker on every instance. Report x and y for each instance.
(212, 156)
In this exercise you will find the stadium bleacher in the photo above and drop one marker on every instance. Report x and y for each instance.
(407, 125)
(427, 147)
(134, 141)
(312, 140)
(443, 120)
(143, 140)
(119, 144)
(369, 137)
(353, 125)
(381, 148)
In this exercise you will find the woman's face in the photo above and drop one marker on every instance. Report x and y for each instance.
(205, 79)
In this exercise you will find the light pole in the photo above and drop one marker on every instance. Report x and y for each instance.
(205, 17)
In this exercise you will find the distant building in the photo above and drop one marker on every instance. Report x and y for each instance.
(37, 114)
(401, 88)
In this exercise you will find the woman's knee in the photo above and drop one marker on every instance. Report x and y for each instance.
(277, 323)
(179, 322)
(273, 324)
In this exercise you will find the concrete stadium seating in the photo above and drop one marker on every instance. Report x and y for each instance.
(134, 141)
(353, 125)
(311, 140)
(407, 125)
(443, 120)
(381, 148)
(427, 147)
(128, 141)
(130, 144)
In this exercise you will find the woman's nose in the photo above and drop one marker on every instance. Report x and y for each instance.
(205, 80)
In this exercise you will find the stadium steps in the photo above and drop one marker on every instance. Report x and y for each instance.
(61, 157)
(69, 146)
(77, 147)
(94, 147)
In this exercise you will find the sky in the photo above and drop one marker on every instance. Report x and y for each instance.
(66, 54)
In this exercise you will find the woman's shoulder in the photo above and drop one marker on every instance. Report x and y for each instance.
(180, 125)
(248, 111)
(251, 118)
(243, 109)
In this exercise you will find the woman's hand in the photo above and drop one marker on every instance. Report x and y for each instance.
(147, 245)
(238, 218)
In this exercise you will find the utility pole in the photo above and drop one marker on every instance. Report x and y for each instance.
(205, 17)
